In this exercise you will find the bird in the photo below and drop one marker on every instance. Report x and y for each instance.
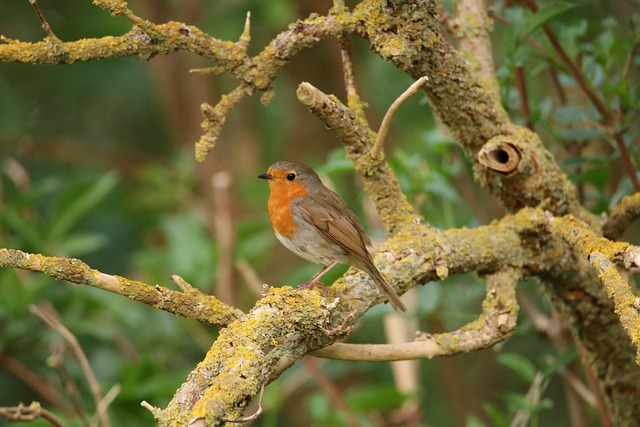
(314, 223)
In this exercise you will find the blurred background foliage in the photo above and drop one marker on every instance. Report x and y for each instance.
(96, 162)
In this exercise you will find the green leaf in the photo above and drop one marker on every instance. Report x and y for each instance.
(520, 365)
(573, 134)
(519, 402)
(337, 163)
(496, 417)
(379, 397)
(80, 206)
(575, 161)
(570, 114)
(80, 244)
(545, 14)
(598, 176)
(474, 422)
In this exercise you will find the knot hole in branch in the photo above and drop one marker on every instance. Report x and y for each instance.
(501, 156)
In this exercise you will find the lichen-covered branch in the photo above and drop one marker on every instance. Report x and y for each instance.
(472, 28)
(193, 304)
(259, 73)
(288, 323)
(171, 37)
(621, 216)
(465, 105)
(602, 255)
(495, 324)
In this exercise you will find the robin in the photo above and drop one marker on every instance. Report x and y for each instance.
(314, 223)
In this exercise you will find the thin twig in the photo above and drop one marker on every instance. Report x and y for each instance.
(521, 85)
(574, 70)
(532, 42)
(533, 396)
(553, 327)
(626, 160)
(55, 361)
(345, 53)
(333, 393)
(30, 413)
(347, 66)
(94, 386)
(251, 278)
(386, 121)
(628, 64)
(600, 407)
(183, 284)
(45, 25)
(101, 409)
(148, 406)
(578, 387)
(251, 417)
(33, 380)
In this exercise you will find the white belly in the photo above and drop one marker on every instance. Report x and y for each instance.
(321, 252)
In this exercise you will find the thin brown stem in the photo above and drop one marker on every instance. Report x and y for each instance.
(345, 53)
(51, 320)
(347, 66)
(601, 407)
(333, 393)
(55, 361)
(573, 68)
(628, 64)
(626, 160)
(558, 333)
(608, 119)
(103, 405)
(521, 85)
(30, 378)
(45, 25)
(532, 42)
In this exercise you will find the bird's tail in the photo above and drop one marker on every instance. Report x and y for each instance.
(394, 299)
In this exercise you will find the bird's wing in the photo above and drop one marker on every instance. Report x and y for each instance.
(337, 223)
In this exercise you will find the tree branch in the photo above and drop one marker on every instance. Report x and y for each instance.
(621, 216)
(602, 254)
(287, 323)
(195, 305)
(495, 324)
(392, 205)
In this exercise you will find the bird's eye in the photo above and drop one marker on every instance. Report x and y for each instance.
(291, 176)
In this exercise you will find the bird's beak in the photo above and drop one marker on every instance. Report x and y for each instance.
(265, 176)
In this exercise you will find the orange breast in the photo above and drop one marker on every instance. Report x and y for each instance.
(281, 194)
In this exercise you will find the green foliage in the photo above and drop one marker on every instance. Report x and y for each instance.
(547, 12)
(361, 401)
(603, 51)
